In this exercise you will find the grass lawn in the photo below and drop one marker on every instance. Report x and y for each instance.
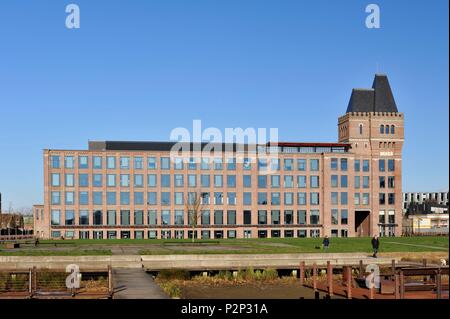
(264, 246)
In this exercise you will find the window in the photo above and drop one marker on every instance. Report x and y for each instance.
(382, 198)
(391, 181)
(275, 181)
(289, 198)
(288, 164)
(165, 180)
(386, 129)
(83, 162)
(288, 217)
(262, 181)
(231, 164)
(365, 181)
(334, 164)
(124, 217)
(262, 198)
(360, 129)
(344, 164)
(206, 219)
(97, 180)
(218, 217)
(204, 165)
(301, 217)
(218, 198)
(344, 181)
(344, 198)
(381, 165)
(275, 198)
(70, 198)
(151, 198)
(334, 198)
(97, 198)
(110, 162)
(138, 198)
(231, 198)
(83, 180)
(357, 182)
(111, 198)
(165, 217)
(382, 182)
(334, 217)
(178, 180)
(247, 180)
(83, 198)
(392, 129)
(97, 217)
(275, 217)
(124, 162)
(124, 198)
(365, 165)
(178, 163)
(152, 217)
(391, 165)
(83, 217)
(179, 217)
(205, 198)
(391, 198)
(165, 163)
(274, 164)
(301, 181)
(151, 180)
(192, 165)
(365, 198)
(301, 198)
(391, 217)
(357, 199)
(231, 217)
(218, 181)
(231, 180)
(97, 162)
(288, 181)
(247, 217)
(55, 161)
(344, 216)
(381, 129)
(192, 180)
(357, 166)
(301, 164)
(138, 217)
(262, 165)
(124, 180)
(314, 165)
(56, 217)
(70, 180)
(56, 198)
(314, 181)
(314, 198)
(247, 198)
(69, 162)
(314, 217)
(262, 217)
(204, 179)
(218, 164)
(165, 198)
(151, 163)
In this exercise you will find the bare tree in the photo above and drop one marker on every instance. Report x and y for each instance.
(194, 206)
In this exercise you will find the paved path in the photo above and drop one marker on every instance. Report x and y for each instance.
(415, 245)
(135, 284)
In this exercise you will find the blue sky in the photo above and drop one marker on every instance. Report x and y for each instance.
(137, 69)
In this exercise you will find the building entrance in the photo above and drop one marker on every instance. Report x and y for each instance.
(362, 223)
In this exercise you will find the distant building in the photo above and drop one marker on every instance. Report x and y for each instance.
(427, 217)
(39, 225)
(11, 224)
(415, 197)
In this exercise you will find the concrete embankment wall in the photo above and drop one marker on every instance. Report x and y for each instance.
(189, 262)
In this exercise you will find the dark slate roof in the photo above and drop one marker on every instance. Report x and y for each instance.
(377, 99)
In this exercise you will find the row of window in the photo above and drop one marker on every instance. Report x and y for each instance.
(178, 217)
(205, 234)
(387, 129)
(165, 163)
(180, 199)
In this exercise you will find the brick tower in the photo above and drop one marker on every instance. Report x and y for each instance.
(375, 129)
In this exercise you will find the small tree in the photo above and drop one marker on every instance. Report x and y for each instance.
(194, 206)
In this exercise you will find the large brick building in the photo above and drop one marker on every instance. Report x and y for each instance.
(140, 190)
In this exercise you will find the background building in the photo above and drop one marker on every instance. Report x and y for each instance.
(416, 197)
(140, 190)
(426, 217)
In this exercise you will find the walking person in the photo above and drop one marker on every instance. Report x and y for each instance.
(325, 242)
(375, 246)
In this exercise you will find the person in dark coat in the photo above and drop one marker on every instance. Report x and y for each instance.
(375, 245)
(326, 242)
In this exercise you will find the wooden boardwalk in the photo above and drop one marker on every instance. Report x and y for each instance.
(135, 284)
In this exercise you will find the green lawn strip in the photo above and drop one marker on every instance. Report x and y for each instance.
(91, 252)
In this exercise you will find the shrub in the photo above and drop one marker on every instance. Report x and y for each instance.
(171, 289)
(174, 274)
